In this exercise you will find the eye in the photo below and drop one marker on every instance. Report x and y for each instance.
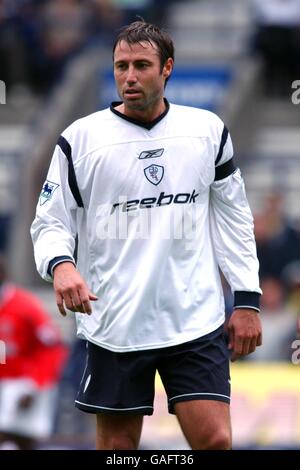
(120, 66)
(143, 65)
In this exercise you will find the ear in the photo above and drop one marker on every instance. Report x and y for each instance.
(168, 67)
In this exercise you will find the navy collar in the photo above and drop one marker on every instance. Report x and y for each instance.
(146, 125)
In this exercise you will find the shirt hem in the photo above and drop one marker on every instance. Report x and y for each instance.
(145, 347)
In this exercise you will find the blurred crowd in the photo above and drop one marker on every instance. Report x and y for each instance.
(32, 361)
(277, 41)
(39, 37)
(278, 250)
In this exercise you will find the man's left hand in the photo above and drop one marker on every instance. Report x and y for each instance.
(245, 334)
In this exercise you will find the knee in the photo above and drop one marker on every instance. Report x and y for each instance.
(219, 440)
(124, 443)
(121, 443)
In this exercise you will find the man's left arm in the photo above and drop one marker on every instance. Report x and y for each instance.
(233, 236)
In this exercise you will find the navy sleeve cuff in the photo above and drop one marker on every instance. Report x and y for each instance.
(243, 299)
(55, 261)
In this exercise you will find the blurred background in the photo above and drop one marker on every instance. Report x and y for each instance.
(238, 58)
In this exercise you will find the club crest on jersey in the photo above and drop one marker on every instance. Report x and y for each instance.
(154, 173)
(151, 154)
(47, 192)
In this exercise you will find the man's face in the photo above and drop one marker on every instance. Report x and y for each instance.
(138, 75)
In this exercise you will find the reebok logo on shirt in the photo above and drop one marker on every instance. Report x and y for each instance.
(162, 200)
(151, 154)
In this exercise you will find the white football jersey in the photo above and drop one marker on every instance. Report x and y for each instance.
(157, 209)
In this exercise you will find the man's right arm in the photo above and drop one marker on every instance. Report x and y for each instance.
(54, 228)
(54, 232)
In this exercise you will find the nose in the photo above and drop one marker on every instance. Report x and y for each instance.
(131, 75)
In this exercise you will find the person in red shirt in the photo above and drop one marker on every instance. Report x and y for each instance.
(34, 357)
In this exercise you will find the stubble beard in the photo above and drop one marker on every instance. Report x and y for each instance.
(142, 104)
(136, 105)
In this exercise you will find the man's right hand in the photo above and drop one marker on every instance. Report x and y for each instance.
(71, 290)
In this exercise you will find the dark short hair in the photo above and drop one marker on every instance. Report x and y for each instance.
(140, 31)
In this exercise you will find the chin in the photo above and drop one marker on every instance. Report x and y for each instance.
(136, 105)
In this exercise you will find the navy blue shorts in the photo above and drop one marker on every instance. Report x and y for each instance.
(123, 383)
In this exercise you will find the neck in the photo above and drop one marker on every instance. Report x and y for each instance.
(144, 115)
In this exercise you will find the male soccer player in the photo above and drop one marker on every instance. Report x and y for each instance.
(158, 205)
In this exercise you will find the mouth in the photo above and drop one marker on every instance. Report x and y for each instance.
(132, 93)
